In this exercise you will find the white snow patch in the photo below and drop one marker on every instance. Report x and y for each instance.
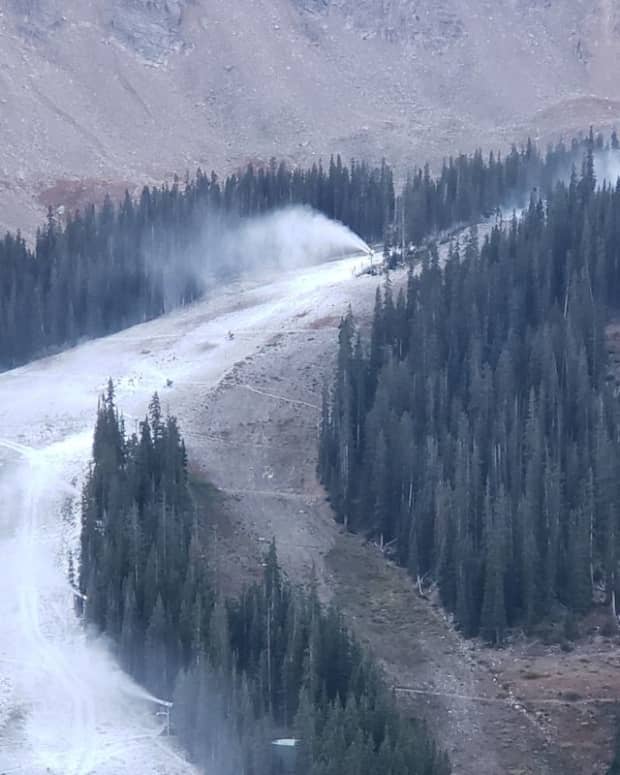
(65, 706)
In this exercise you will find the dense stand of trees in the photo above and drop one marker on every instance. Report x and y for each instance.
(614, 768)
(110, 267)
(107, 268)
(470, 187)
(240, 672)
(477, 432)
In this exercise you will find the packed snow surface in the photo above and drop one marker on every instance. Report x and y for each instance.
(65, 707)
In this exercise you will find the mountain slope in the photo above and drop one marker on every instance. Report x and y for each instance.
(116, 91)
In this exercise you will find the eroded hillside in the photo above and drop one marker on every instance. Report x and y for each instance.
(118, 92)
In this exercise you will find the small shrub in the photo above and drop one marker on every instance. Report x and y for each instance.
(609, 627)
(571, 628)
(532, 675)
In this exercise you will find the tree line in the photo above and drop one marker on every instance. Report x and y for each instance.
(468, 188)
(271, 663)
(475, 432)
(110, 267)
(107, 268)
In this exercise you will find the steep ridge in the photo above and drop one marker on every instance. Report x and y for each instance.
(97, 95)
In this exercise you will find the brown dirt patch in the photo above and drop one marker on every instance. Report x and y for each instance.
(331, 321)
(74, 194)
(572, 696)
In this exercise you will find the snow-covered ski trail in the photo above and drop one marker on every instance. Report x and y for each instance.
(65, 706)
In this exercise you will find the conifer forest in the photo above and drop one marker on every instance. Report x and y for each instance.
(238, 670)
(468, 436)
(474, 430)
(103, 269)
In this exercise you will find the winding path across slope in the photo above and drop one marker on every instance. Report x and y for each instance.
(262, 454)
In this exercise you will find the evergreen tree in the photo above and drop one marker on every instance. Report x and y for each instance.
(238, 671)
(490, 419)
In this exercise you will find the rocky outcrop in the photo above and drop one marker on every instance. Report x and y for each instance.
(37, 18)
(152, 28)
(431, 23)
(96, 94)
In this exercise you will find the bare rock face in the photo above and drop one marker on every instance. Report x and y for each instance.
(314, 6)
(152, 28)
(37, 18)
(98, 94)
(431, 23)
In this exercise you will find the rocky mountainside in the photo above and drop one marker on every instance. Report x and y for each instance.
(99, 94)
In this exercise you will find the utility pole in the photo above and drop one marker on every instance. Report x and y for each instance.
(217, 563)
(402, 225)
(269, 650)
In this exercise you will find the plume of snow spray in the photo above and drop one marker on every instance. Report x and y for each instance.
(226, 247)
(607, 166)
(295, 236)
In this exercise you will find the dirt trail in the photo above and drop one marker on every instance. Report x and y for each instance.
(485, 731)
(260, 449)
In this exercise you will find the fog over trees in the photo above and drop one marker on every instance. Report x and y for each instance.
(104, 269)
(110, 267)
